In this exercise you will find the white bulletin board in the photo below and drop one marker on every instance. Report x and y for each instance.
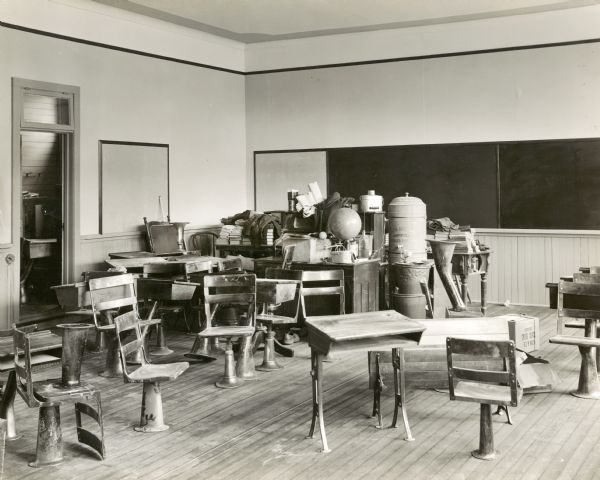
(132, 178)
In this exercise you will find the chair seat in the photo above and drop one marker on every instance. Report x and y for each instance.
(152, 321)
(578, 341)
(228, 331)
(156, 372)
(484, 393)
(275, 319)
(52, 391)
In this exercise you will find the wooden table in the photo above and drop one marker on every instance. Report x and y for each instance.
(44, 341)
(137, 264)
(477, 263)
(361, 283)
(358, 332)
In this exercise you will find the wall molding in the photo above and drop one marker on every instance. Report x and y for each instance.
(301, 68)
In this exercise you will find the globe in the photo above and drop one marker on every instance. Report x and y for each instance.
(344, 223)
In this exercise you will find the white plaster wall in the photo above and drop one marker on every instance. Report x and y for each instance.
(511, 31)
(85, 19)
(198, 112)
(517, 95)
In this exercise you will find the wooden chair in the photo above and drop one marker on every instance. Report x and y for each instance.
(583, 301)
(203, 243)
(49, 358)
(486, 387)
(322, 283)
(48, 395)
(109, 294)
(592, 277)
(227, 290)
(150, 375)
(157, 286)
(279, 315)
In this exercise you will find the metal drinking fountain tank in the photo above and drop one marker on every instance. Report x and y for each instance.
(407, 217)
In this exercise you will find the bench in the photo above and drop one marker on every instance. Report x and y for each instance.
(425, 365)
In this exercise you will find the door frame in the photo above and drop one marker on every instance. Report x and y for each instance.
(71, 176)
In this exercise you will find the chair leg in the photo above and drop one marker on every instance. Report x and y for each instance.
(202, 350)
(229, 380)
(100, 344)
(85, 436)
(244, 368)
(269, 361)
(49, 449)
(151, 417)
(161, 341)
(113, 360)
(486, 435)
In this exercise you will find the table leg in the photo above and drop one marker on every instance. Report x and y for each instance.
(377, 389)
(589, 386)
(400, 393)
(313, 376)
(7, 406)
(320, 402)
(464, 280)
(484, 293)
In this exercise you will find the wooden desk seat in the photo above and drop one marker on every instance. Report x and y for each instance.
(425, 365)
(579, 294)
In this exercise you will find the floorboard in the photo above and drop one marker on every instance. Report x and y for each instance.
(258, 430)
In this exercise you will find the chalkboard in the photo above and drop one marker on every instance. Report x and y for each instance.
(132, 178)
(550, 184)
(455, 180)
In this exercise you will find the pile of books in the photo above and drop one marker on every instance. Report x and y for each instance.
(231, 234)
(270, 237)
(465, 241)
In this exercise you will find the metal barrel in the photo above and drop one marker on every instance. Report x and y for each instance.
(406, 278)
(74, 335)
(412, 306)
(407, 217)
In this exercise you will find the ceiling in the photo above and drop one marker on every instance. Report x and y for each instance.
(252, 21)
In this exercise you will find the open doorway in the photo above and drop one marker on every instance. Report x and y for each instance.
(46, 192)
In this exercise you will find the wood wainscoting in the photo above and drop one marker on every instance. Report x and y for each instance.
(524, 260)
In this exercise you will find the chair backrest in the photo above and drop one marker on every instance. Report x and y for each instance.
(583, 300)
(485, 350)
(233, 264)
(292, 308)
(203, 242)
(112, 293)
(231, 289)
(149, 225)
(321, 283)
(24, 365)
(124, 324)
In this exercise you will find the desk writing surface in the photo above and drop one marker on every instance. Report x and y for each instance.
(39, 341)
(140, 262)
(362, 331)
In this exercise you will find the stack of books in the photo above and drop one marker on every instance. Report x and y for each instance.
(270, 237)
(235, 235)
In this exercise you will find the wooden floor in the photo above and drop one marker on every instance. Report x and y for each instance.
(258, 430)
